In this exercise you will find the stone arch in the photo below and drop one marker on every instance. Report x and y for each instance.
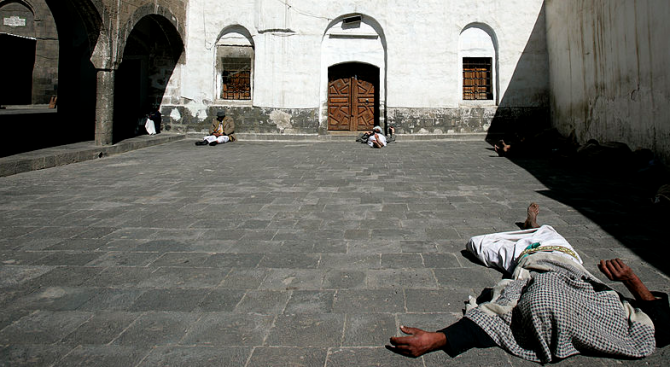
(164, 19)
(15, 24)
(151, 51)
(25, 3)
(357, 39)
(82, 14)
(236, 28)
(479, 40)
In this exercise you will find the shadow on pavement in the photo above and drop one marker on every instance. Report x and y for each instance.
(618, 198)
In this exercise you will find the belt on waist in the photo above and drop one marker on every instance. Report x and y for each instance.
(535, 248)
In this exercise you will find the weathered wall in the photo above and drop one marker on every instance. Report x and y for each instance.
(249, 119)
(418, 44)
(609, 70)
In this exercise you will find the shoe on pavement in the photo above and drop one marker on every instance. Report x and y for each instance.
(201, 142)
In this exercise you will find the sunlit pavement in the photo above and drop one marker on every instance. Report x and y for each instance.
(283, 253)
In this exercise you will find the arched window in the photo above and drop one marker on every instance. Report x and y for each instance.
(477, 52)
(234, 66)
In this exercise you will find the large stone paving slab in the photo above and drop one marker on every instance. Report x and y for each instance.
(283, 253)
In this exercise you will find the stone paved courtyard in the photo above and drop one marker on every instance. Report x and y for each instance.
(284, 253)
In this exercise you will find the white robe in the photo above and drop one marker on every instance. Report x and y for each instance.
(502, 250)
(150, 126)
(382, 139)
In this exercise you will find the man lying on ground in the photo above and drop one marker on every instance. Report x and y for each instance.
(551, 308)
(377, 138)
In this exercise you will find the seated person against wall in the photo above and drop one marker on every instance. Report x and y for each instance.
(377, 138)
(157, 118)
(153, 122)
(552, 307)
(221, 131)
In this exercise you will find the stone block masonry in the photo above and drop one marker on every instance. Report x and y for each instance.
(434, 121)
(258, 120)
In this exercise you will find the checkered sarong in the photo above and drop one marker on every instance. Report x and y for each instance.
(561, 311)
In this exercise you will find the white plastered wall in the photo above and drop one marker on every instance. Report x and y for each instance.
(421, 64)
(206, 22)
(609, 71)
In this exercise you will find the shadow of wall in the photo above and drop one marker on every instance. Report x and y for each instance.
(615, 197)
(16, 72)
(524, 106)
(150, 56)
(616, 201)
(78, 34)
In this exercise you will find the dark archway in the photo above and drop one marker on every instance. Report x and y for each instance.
(78, 23)
(150, 55)
(16, 71)
(18, 43)
(78, 26)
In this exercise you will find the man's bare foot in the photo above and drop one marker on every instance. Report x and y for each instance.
(501, 148)
(531, 220)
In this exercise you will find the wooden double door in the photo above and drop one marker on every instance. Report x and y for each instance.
(353, 97)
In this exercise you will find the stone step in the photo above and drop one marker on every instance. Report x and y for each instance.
(77, 152)
(347, 137)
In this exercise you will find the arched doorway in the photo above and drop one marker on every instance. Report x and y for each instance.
(78, 23)
(16, 72)
(353, 97)
(18, 42)
(150, 55)
(49, 45)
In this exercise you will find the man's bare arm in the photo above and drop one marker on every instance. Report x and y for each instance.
(376, 141)
(617, 270)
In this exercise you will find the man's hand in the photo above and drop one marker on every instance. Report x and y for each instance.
(616, 270)
(418, 343)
